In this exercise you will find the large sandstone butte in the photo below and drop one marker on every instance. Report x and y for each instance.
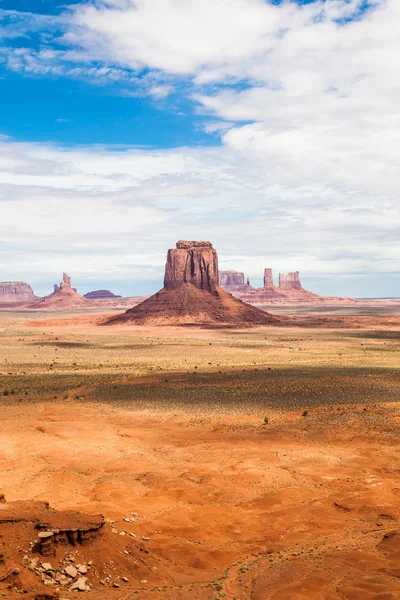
(16, 291)
(64, 297)
(191, 293)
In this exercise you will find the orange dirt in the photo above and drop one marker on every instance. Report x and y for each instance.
(304, 507)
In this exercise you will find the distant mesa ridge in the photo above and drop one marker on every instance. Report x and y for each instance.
(100, 294)
(191, 293)
(289, 288)
(16, 292)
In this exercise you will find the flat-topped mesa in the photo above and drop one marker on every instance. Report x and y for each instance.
(192, 262)
(231, 278)
(268, 278)
(16, 291)
(100, 294)
(293, 281)
(192, 295)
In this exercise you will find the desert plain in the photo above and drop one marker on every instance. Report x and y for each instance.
(251, 463)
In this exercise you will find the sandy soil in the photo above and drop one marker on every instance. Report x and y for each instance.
(169, 425)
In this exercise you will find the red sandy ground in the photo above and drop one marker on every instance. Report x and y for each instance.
(296, 509)
(227, 506)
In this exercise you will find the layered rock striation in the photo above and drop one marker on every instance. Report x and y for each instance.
(194, 263)
(16, 292)
(191, 293)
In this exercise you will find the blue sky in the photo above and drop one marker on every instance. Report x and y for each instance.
(270, 128)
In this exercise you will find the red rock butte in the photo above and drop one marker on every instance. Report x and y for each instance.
(16, 292)
(191, 293)
(64, 297)
(289, 289)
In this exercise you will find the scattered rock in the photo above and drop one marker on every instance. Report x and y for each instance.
(71, 571)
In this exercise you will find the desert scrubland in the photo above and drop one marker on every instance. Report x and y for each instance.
(254, 463)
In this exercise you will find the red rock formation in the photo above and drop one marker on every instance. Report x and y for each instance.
(293, 281)
(268, 278)
(281, 281)
(191, 293)
(231, 279)
(64, 297)
(192, 262)
(100, 294)
(16, 292)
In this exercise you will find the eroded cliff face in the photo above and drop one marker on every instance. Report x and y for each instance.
(16, 291)
(192, 262)
(231, 278)
(191, 294)
(293, 281)
(63, 297)
(268, 278)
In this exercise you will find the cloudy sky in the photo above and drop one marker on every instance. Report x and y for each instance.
(271, 128)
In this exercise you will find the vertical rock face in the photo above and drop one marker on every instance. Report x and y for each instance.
(16, 291)
(248, 281)
(281, 281)
(268, 278)
(293, 281)
(66, 281)
(192, 262)
(231, 278)
(191, 293)
(64, 296)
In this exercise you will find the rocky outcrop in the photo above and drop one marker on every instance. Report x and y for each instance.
(288, 291)
(195, 263)
(16, 292)
(231, 279)
(293, 281)
(100, 294)
(268, 278)
(64, 297)
(191, 294)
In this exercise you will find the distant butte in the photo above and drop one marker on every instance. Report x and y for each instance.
(64, 297)
(100, 294)
(288, 291)
(16, 292)
(191, 293)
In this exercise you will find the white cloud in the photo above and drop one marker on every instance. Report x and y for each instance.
(99, 212)
(307, 107)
